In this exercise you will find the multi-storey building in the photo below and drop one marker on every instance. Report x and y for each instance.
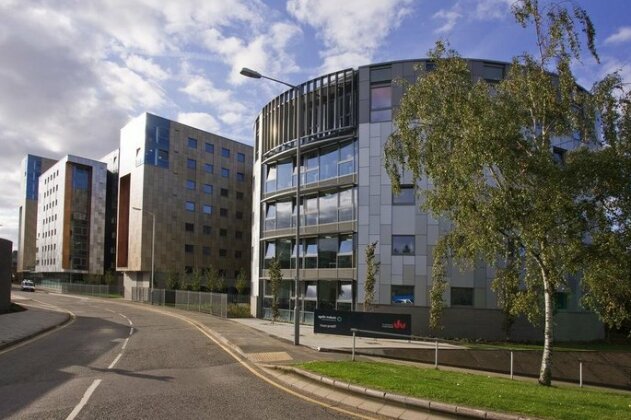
(71, 218)
(347, 202)
(111, 203)
(32, 167)
(196, 186)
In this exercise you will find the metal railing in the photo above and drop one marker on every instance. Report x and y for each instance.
(204, 302)
(57, 286)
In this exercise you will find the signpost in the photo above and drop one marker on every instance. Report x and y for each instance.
(341, 322)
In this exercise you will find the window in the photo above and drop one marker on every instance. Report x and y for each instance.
(310, 210)
(380, 103)
(223, 252)
(345, 209)
(207, 230)
(270, 252)
(225, 172)
(206, 250)
(223, 233)
(237, 254)
(238, 234)
(492, 72)
(239, 215)
(310, 168)
(207, 209)
(462, 296)
(240, 176)
(405, 196)
(190, 206)
(209, 148)
(328, 208)
(225, 152)
(558, 155)
(191, 163)
(224, 192)
(189, 227)
(207, 189)
(346, 163)
(285, 175)
(223, 212)
(328, 163)
(403, 244)
(240, 157)
(239, 195)
(345, 252)
(283, 214)
(270, 179)
(209, 168)
(270, 216)
(189, 249)
(327, 252)
(192, 143)
(190, 184)
(402, 294)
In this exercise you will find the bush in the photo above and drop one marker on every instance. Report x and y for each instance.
(239, 310)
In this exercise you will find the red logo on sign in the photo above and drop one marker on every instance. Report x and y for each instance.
(399, 325)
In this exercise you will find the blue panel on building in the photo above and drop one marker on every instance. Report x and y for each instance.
(157, 141)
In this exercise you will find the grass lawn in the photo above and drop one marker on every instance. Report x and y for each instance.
(479, 391)
(626, 347)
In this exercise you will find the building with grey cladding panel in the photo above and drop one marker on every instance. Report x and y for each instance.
(347, 203)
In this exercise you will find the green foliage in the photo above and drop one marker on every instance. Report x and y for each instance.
(275, 277)
(173, 280)
(239, 310)
(487, 149)
(372, 268)
(242, 282)
(196, 280)
(213, 280)
(109, 278)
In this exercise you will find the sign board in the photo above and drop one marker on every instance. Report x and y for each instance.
(341, 322)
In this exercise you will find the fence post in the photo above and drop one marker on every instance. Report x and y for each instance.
(353, 352)
(188, 298)
(511, 365)
(436, 356)
(580, 374)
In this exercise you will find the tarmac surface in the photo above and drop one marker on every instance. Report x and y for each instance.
(268, 347)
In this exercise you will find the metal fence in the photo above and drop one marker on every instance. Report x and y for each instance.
(209, 303)
(57, 286)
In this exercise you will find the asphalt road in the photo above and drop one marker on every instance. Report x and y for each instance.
(117, 361)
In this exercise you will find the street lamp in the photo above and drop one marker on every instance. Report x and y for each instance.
(153, 248)
(297, 95)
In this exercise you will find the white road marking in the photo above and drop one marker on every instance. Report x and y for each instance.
(125, 343)
(128, 320)
(84, 400)
(131, 330)
(115, 361)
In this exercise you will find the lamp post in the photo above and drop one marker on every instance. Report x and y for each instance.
(153, 248)
(297, 95)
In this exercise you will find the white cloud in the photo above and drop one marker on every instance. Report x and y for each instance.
(622, 35)
(146, 67)
(472, 10)
(351, 28)
(199, 120)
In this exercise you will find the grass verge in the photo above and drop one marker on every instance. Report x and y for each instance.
(479, 391)
(619, 347)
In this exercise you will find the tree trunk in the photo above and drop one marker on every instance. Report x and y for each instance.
(545, 372)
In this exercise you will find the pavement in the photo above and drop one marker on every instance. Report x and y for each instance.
(269, 347)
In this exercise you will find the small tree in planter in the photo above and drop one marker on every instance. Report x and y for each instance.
(173, 280)
(275, 277)
(242, 282)
(372, 268)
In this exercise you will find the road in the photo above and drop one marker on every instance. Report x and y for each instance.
(120, 361)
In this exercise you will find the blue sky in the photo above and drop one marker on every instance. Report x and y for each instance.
(73, 73)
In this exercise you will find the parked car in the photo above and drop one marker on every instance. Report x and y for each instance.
(28, 286)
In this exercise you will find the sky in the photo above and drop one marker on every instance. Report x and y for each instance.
(72, 73)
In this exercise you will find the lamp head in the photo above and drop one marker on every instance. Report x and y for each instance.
(250, 73)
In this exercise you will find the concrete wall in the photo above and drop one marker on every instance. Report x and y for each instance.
(6, 248)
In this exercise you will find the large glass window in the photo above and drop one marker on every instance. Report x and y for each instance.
(328, 208)
(328, 163)
(462, 296)
(310, 210)
(311, 253)
(346, 163)
(380, 103)
(345, 252)
(270, 253)
(284, 251)
(270, 216)
(270, 179)
(405, 196)
(310, 168)
(345, 210)
(327, 252)
(403, 244)
(285, 174)
(283, 214)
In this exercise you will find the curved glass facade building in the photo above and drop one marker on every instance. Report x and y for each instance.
(346, 202)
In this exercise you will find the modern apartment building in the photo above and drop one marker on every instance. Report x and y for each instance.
(32, 167)
(71, 218)
(111, 203)
(347, 202)
(196, 186)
